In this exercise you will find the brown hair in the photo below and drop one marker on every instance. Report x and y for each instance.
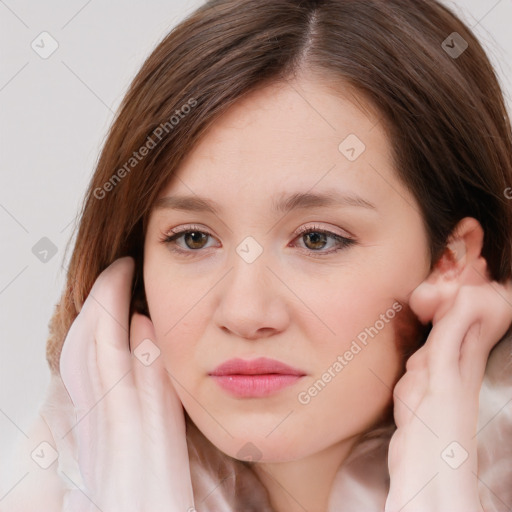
(445, 117)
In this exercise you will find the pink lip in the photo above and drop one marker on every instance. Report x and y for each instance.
(255, 378)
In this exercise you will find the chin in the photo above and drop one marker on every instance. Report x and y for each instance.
(247, 443)
(258, 450)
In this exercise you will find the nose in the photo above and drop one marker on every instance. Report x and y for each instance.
(252, 302)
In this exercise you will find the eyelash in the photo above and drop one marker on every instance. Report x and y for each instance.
(342, 242)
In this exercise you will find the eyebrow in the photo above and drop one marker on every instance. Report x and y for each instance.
(296, 201)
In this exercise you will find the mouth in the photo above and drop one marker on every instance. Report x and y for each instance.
(255, 378)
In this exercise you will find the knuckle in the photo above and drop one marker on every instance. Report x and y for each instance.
(416, 361)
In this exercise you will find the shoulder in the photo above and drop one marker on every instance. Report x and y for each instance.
(42, 462)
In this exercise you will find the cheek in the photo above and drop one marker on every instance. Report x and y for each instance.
(351, 391)
(371, 297)
(345, 305)
(372, 362)
(176, 311)
(366, 353)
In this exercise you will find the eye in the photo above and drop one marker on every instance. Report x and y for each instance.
(316, 239)
(188, 240)
(193, 238)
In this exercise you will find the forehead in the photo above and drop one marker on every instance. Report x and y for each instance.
(291, 136)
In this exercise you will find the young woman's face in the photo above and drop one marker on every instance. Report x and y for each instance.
(294, 242)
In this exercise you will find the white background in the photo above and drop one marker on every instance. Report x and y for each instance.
(55, 113)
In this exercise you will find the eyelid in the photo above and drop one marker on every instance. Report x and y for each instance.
(303, 229)
(309, 227)
(188, 227)
(185, 228)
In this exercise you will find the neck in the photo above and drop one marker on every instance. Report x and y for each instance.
(304, 485)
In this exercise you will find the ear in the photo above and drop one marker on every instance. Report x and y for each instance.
(461, 263)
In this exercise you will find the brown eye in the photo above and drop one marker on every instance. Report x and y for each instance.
(195, 239)
(315, 240)
(187, 242)
(319, 242)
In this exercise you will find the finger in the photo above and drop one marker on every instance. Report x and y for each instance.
(102, 312)
(495, 320)
(425, 300)
(473, 358)
(119, 404)
(112, 295)
(434, 296)
(158, 396)
(407, 394)
(162, 413)
(447, 335)
(119, 407)
(80, 378)
(110, 300)
(497, 315)
(450, 336)
(80, 364)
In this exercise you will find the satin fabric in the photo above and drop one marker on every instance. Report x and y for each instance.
(223, 484)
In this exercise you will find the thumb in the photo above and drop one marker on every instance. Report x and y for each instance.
(435, 295)
(460, 264)
(143, 343)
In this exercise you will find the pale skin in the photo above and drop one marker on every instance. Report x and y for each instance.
(272, 144)
(289, 304)
(436, 401)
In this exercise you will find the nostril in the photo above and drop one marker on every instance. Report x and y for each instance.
(265, 332)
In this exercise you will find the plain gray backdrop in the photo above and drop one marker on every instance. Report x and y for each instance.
(56, 111)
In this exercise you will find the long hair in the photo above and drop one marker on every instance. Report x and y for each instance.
(414, 61)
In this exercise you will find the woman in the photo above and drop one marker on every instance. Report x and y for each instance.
(298, 229)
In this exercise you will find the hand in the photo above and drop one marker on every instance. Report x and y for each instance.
(433, 453)
(130, 431)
